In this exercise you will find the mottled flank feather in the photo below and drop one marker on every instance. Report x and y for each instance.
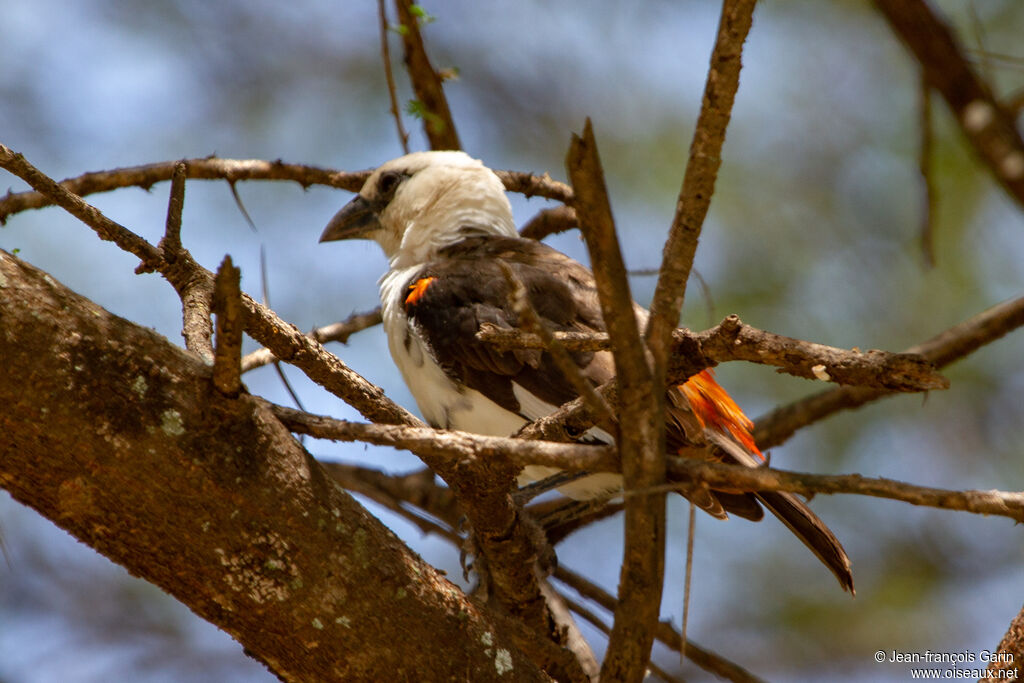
(715, 409)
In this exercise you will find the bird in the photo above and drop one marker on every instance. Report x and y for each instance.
(455, 260)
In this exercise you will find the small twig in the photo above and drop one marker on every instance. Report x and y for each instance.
(691, 532)
(195, 293)
(227, 306)
(385, 54)
(171, 242)
(549, 222)
(339, 332)
(699, 179)
(532, 185)
(929, 198)
(941, 350)
(733, 340)
(507, 339)
(438, 123)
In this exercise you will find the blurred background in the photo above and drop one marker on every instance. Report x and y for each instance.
(813, 233)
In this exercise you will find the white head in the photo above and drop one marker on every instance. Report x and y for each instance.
(417, 204)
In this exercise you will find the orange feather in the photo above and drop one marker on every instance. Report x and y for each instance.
(417, 290)
(715, 409)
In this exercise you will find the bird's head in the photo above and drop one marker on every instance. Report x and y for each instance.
(414, 205)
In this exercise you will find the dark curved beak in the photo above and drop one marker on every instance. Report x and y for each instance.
(355, 220)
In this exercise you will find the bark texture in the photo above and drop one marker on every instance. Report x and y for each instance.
(118, 436)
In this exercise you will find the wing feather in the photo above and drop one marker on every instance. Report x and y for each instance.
(467, 285)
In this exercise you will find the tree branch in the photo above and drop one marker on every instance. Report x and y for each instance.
(698, 180)
(453, 445)
(734, 340)
(209, 168)
(1012, 644)
(234, 170)
(735, 477)
(385, 54)
(641, 408)
(549, 222)
(683, 468)
(227, 306)
(949, 345)
(438, 123)
(484, 490)
(532, 185)
(121, 440)
(985, 123)
(339, 332)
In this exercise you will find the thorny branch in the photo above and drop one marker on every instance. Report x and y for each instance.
(985, 124)
(209, 168)
(234, 170)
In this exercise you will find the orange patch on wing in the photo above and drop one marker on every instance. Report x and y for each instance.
(715, 409)
(417, 290)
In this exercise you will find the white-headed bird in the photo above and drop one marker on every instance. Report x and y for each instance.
(446, 226)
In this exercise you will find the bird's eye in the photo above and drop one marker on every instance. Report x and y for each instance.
(388, 182)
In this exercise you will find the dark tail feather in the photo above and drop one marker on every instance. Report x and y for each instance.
(795, 514)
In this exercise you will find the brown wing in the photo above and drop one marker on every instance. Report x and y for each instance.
(468, 286)
(451, 297)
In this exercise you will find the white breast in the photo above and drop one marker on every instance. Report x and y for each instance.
(447, 405)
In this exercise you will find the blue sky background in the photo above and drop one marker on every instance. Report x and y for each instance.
(812, 234)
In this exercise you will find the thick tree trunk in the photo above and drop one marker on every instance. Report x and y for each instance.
(119, 437)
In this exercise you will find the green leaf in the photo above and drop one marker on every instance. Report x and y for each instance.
(421, 14)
